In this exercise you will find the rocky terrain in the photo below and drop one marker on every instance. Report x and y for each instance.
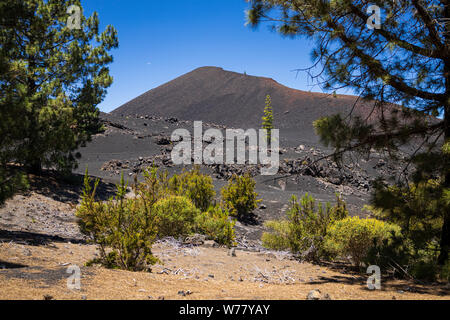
(36, 259)
(138, 135)
(39, 237)
(132, 143)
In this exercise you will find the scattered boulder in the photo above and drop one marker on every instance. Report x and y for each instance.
(314, 295)
(162, 140)
(317, 295)
(172, 120)
(210, 244)
(184, 293)
(196, 239)
(117, 166)
(326, 296)
(113, 165)
(226, 171)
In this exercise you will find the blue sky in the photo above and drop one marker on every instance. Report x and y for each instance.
(161, 40)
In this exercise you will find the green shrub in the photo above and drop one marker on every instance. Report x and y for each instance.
(154, 187)
(425, 270)
(194, 185)
(424, 267)
(217, 225)
(355, 237)
(239, 196)
(419, 209)
(393, 255)
(123, 229)
(11, 181)
(305, 228)
(399, 257)
(181, 199)
(191, 184)
(176, 216)
(279, 237)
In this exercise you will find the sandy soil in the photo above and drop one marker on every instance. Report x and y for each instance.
(34, 272)
(34, 264)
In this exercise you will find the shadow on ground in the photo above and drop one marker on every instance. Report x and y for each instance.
(33, 239)
(10, 265)
(67, 189)
(46, 277)
(353, 275)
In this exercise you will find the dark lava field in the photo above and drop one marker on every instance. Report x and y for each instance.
(138, 135)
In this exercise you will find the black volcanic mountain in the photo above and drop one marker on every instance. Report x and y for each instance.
(137, 135)
(214, 95)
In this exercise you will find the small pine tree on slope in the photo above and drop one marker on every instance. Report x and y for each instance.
(267, 119)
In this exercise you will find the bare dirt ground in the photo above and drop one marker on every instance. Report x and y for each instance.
(34, 272)
(39, 240)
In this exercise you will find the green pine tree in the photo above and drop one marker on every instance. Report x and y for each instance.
(52, 77)
(406, 61)
(267, 119)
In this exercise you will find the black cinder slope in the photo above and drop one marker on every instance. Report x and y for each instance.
(212, 94)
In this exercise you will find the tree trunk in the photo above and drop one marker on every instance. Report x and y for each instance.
(35, 167)
(445, 241)
(445, 235)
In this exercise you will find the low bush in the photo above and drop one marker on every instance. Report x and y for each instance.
(280, 236)
(305, 228)
(176, 216)
(399, 256)
(216, 224)
(11, 181)
(194, 185)
(239, 196)
(355, 237)
(183, 204)
(425, 270)
(123, 229)
(419, 209)
(154, 187)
